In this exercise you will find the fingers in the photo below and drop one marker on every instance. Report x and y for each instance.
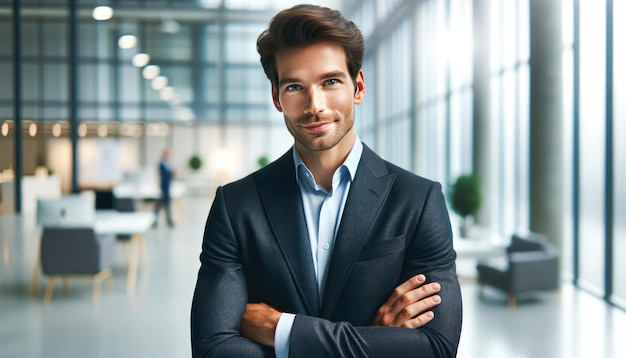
(418, 314)
(405, 287)
(409, 304)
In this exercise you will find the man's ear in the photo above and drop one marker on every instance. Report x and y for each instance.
(359, 91)
(275, 99)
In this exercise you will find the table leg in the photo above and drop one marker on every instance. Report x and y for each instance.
(33, 281)
(133, 260)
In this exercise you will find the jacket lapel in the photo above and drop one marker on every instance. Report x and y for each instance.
(283, 205)
(368, 192)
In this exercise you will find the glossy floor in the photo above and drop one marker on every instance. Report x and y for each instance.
(155, 321)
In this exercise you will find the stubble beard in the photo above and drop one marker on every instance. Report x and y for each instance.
(311, 144)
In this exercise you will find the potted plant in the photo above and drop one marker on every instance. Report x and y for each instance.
(466, 199)
(263, 161)
(195, 163)
(40, 166)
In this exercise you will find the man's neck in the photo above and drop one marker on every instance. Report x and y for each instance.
(323, 164)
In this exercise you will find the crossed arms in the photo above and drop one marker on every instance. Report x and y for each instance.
(227, 321)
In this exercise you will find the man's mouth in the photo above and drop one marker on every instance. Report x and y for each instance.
(317, 126)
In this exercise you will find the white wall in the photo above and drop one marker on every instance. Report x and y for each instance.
(228, 153)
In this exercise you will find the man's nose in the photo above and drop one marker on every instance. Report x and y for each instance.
(316, 101)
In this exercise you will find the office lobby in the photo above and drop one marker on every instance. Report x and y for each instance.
(524, 95)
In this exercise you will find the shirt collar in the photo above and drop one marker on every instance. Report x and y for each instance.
(351, 163)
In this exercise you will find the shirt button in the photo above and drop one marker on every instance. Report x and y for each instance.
(325, 247)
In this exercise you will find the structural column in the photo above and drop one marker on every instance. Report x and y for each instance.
(483, 138)
(546, 120)
(17, 102)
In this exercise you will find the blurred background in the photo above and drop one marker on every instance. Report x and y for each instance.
(525, 97)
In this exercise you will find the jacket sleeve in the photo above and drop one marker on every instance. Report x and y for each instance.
(220, 296)
(429, 252)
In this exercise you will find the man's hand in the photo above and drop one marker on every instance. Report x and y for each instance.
(259, 323)
(409, 304)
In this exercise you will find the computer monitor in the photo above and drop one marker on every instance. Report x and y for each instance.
(68, 210)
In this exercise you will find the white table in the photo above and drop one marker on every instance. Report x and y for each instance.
(147, 191)
(471, 250)
(134, 224)
(113, 222)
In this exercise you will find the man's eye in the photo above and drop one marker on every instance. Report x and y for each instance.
(293, 88)
(331, 82)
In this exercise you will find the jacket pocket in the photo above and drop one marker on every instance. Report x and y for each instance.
(381, 248)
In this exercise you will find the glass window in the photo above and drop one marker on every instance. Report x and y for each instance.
(460, 133)
(247, 89)
(568, 143)
(509, 117)
(88, 82)
(55, 82)
(179, 78)
(6, 41)
(55, 39)
(55, 112)
(211, 85)
(619, 155)
(241, 42)
(169, 46)
(460, 44)
(6, 73)
(30, 81)
(88, 40)
(104, 82)
(211, 43)
(130, 78)
(592, 144)
(30, 38)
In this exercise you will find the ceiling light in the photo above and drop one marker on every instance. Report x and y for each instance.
(175, 101)
(32, 129)
(159, 82)
(5, 129)
(82, 130)
(167, 93)
(101, 13)
(141, 59)
(102, 130)
(151, 71)
(170, 26)
(56, 130)
(127, 41)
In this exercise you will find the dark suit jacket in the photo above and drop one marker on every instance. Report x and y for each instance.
(256, 249)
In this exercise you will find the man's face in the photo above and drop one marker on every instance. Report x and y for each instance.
(317, 95)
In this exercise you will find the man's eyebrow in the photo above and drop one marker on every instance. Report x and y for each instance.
(333, 74)
(284, 81)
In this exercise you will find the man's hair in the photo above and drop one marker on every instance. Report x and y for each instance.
(304, 25)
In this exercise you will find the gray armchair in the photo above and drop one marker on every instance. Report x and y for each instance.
(531, 264)
(75, 252)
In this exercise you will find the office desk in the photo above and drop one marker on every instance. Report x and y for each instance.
(112, 222)
(152, 192)
(134, 224)
(147, 191)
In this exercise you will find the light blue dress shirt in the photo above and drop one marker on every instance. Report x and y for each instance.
(322, 210)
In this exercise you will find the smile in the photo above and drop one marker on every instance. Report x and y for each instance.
(317, 127)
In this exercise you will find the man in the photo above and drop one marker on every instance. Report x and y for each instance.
(329, 251)
(166, 174)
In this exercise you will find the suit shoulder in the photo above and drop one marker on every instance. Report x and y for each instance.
(406, 177)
